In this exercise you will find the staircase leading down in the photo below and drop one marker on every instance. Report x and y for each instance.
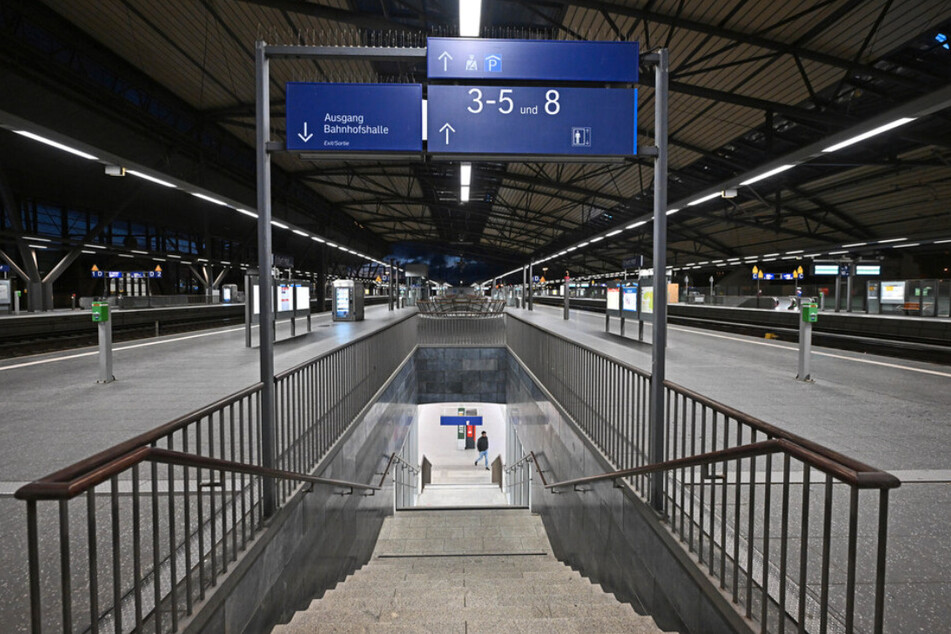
(466, 571)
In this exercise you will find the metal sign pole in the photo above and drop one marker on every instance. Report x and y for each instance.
(265, 283)
(531, 287)
(659, 330)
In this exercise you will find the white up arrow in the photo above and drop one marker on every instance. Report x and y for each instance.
(447, 129)
(305, 137)
(445, 57)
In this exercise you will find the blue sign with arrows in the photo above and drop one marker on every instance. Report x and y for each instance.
(460, 420)
(554, 60)
(324, 117)
(532, 120)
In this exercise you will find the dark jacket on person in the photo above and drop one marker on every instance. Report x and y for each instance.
(483, 443)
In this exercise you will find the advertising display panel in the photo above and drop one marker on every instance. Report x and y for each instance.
(343, 301)
(614, 299)
(647, 300)
(893, 293)
(285, 300)
(629, 301)
(302, 291)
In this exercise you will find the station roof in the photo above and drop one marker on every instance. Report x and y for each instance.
(169, 86)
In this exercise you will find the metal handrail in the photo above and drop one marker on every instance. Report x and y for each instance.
(396, 458)
(529, 456)
(65, 490)
(873, 479)
(52, 485)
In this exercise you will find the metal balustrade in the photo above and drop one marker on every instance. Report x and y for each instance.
(144, 542)
(133, 538)
(761, 528)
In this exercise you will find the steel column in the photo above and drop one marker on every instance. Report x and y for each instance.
(266, 323)
(659, 330)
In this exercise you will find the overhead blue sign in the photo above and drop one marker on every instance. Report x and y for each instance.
(354, 117)
(531, 120)
(98, 274)
(4, 268)
(460, 420)
(155, 274)
(557, 60)
(114, 275)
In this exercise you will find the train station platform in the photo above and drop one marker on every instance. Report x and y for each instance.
(890, 414)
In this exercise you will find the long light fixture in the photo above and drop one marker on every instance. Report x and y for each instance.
(209, 199)
(464, 194)
(873, 132)
(151, 179)
(246, 212)
(280, 225)
(765, 175)
(465, 174)
(704, 199)
(470, 17)
(57, 145)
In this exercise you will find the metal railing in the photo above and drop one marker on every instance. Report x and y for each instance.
(462, 331)
(518, 479)
(733, 513)
(173, 532)
(405, 480)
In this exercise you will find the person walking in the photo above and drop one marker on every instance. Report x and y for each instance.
(483, 446)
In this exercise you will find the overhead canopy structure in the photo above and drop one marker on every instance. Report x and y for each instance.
(170, 86)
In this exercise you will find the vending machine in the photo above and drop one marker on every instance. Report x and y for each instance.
(347, 300)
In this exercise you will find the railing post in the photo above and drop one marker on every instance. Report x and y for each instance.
(33, 556)
(266, 331)
(659, 330)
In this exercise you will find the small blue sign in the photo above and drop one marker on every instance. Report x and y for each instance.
(4, 268)
(98, 274)
(354, 117)
(460, 420)
(555, 60)
(536, 279)
(532, 120)
(114, 275)
(137, 275)
(155, 274)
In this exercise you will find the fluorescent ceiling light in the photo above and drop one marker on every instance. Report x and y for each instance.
(59, 146)
(764, 175)
(891, 240)
(598, 239)
(140, 252)
(172, 255)
(837, 252)
(159, 259)
(464, 194)
(94, 246)
(583, 244)
(37, 238)
(614, 233)
(465, 174)
(125, 255)
(794, 252)
(246, 212)
(636, 224)
(671, 212)
(942, 241)
(770, 255)
(470, 17)
(86, 251)
(226, 262)
(151, 179)
(300, 233)
(849, 246)
(40, 246)
(571, 248)
(770, 260)
(733, 260)
(209, 199)
(279, 224)
(559, 255)
(907, 244)
(704, 199)
(870, 133)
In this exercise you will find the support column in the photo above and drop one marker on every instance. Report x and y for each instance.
(266, 332)
(567, 293)
(531, 288)
(659, 330)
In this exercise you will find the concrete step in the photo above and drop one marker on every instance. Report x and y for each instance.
(482, 587)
